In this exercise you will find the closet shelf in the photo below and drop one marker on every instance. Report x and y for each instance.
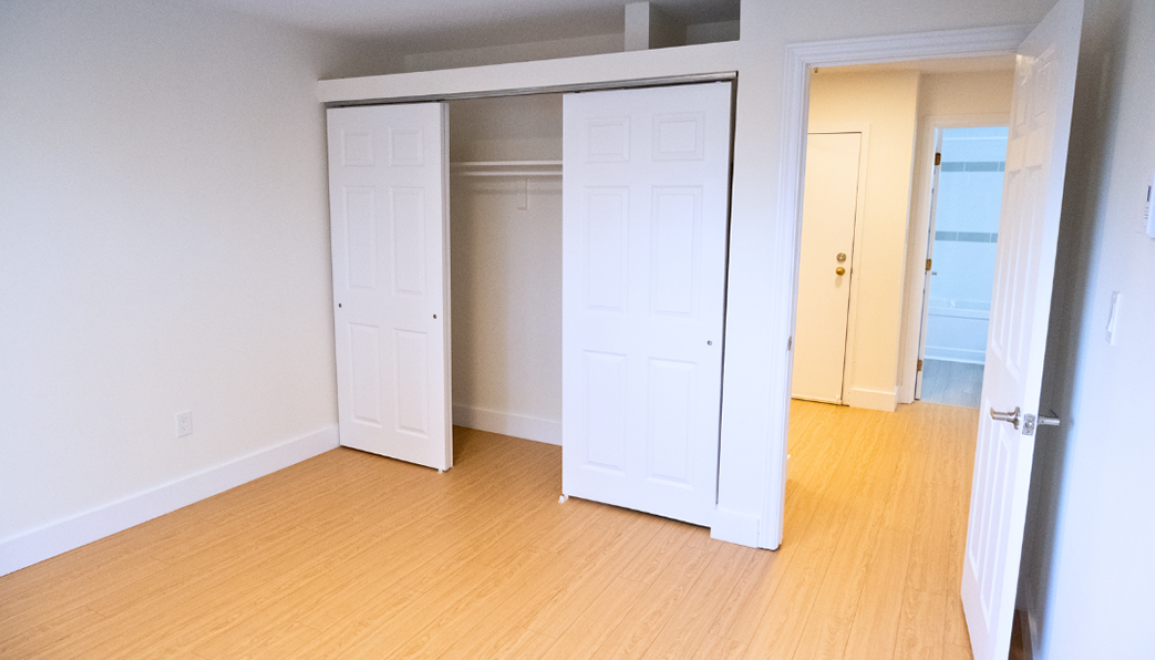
(515, 168)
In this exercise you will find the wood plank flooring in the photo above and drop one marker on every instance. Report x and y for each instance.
(349, 555)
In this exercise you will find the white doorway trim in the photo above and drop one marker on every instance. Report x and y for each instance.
(799, 60)
(918, 241)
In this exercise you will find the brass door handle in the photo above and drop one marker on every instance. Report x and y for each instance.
(840, 271)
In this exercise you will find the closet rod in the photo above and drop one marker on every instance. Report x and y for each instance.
(517, 168)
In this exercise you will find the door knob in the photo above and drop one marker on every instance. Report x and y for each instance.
(1012, 417)
(841, 257)
(840, 271)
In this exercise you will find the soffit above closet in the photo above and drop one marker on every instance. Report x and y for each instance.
(434, 25)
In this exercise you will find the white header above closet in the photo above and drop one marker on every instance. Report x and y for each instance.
(701, 63)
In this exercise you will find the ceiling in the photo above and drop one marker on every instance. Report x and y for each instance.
(419, 26)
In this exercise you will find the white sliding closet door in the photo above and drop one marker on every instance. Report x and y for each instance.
(646, 197)
(389, 217)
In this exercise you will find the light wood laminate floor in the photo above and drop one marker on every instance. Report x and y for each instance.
(349, 555)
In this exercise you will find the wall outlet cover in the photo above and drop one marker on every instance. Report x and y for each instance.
(183, 424)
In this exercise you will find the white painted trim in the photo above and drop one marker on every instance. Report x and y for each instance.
(735, 527)
(56, 538)
(799, 60)
(871, 399)
(715, 60)
(976, 42)
(518, 426)
(962, 355)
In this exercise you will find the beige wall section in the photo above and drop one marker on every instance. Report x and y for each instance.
(959, 99)
(506, 269)
(885, 103)
(965, 93)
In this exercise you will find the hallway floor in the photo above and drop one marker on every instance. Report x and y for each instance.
(952, 383)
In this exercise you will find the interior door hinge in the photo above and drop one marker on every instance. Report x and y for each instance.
(919, 366)
(928, 262)
(938, 159)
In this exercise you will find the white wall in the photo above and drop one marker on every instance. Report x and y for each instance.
(506, 269)
(536, 50)
(163, 247)
(884, 103)
(1087, 576)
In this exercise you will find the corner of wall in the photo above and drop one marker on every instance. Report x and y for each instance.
(56, 538)
(506, 423)
(735, 527)
(886, 401)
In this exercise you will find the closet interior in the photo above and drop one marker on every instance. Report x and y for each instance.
(506, 264)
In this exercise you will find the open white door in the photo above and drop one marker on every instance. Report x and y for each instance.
(1020, 311)
(829, 208)
(388, 215)
(926, 273)
(646, 197)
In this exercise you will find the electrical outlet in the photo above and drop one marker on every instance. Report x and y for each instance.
(183, 424)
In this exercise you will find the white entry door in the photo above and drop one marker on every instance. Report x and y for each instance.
(829, 206)
(388, 215)
(646, 196)
(1020, 311)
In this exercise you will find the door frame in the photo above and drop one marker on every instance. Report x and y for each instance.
(800, 60)
(863, 129)
(919, 242)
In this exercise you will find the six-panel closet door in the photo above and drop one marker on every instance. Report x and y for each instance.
(646, 197)
(388, 192)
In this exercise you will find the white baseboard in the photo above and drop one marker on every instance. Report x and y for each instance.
(871, 399)
(955, 355)
(735, 527)
(519, 426)
(56, 538)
